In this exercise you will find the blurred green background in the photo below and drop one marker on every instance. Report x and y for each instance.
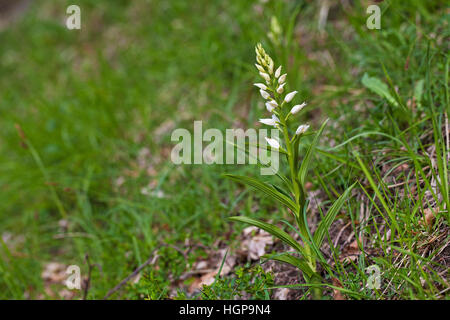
(86, 117)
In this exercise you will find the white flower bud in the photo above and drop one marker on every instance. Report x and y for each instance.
(269, 107)
(273, 103)
(282, 78)
(273, 143)
(262, 86)
(275, 118)
(302, 129)
(278, 72)
(295, 109)
(280, 89)
(290, 96)
(264, 94)
(260, 69)
(270, 65)
(265, 76)
(269, 122)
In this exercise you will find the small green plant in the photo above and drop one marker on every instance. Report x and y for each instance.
(252, 281)
(278, 104)
(152, 286)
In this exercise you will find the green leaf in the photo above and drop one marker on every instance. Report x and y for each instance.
(294, 261)
(337, 158)
(281, 190)
(286, 181)
(326, 222)
(377, 191)
(378, 87)
(307, 160)
(418, 93)
(266, 189)
(273, 230)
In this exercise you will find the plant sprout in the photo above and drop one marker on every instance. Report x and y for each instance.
(307, 252)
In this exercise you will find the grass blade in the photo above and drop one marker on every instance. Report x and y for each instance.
(293, 261)
(307, 160)
(326, 222)
(273, 230)
(266, 189)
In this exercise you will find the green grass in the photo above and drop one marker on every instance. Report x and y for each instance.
(97, 107)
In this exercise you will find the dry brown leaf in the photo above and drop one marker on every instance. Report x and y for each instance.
(353, 247)
(228, 265)
(209, 277)
(54, 272)
(165, 128)
(54, 276)
(254, 246)
(430, 215)
(281, 294)
(351, 252)
(66, 294)
(199, 265)
(337, 294)
(349, 258)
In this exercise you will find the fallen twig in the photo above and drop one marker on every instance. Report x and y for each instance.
(151, 260)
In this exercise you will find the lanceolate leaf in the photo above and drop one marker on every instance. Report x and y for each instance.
(285, 180)
(266, 189)
(379, 87)
(281, 190)
(294, 261)
(326, 222)
(309, 154)
(273, 230)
